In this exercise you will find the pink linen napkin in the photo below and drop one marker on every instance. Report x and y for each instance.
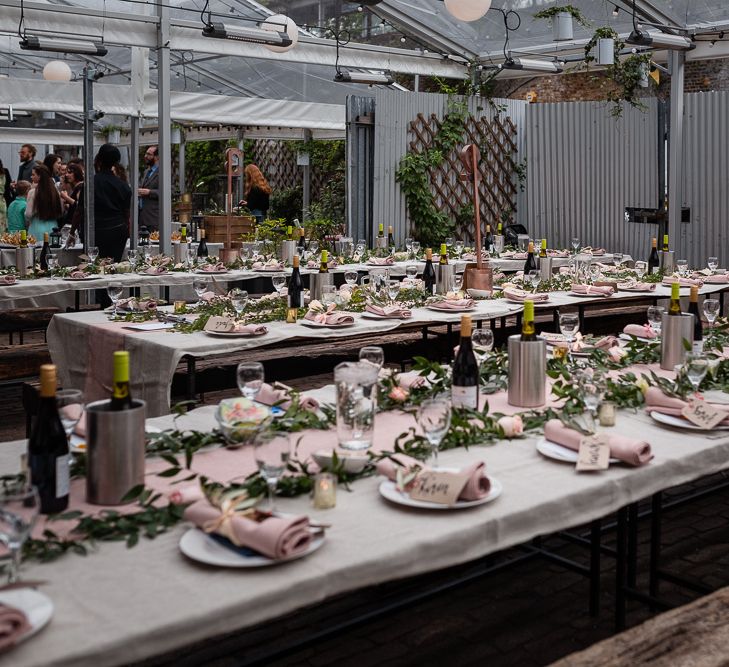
(477, 486)
(273, 536)
(657, 401)
(520, 295)
(155, 270)
(213, 268)
(642, 331)
(78, 274)
(268, 395)
(380, 261)
(13, 625)
(471, 256)
(252, 329)
(513, 255)
(592, 289)
(595, 251)
(137, 305)
(332, 317)
(7, 280)
(683, 282)
(313, 264)
(629, 450)
(410, 380)
(635, 286)
(261, 266)
(453, 304)
(396, 312)
(717, 278)
(558, 253)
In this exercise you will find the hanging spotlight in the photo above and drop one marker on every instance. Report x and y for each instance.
(382, 78)
(61, 45)
(57, 70)
(533, 65)
(660, 40)
(467, 10)
(243, 34)
(281, 24)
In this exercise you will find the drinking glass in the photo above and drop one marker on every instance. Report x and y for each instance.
(711, 310)
(191, 259)
(594, 272)
(361, 245)
(617, 259)
(682, 266)
(356, 387)
(695, 368)
(409, 245)
(92, 253)
(533, 278)
(537, 245)
(449, 242)
(279, 282)
(114, 290)
(52, 265)
(434, 418)
(19, 507)
(713, 263)
(569, 323)
(483, 342)
(655, 315)
(70, 404)
(458, 248)
(328, 294)
(641, 268)
(411, 271)
(373, 354)
(313, 246)
(416, 249)
(132, 258)
(200, 285)
(249, 376)
(239, 299)
(393, 289)
(575, 244)
(592, 387)
(272, 450)
(350, 277)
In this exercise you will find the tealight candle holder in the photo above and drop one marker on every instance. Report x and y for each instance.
(325, 491)
(180, 306)
(606, 413)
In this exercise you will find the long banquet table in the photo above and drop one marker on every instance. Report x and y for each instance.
(121, 605)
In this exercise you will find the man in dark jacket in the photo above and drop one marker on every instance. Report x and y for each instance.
(149, 191)
(27, 161)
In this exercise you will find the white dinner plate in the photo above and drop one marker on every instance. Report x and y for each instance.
(680, 422)
(77, 280)
(323, 325)
(211, 273)
(199, 546)
(37, 607)
(624, 336)
(234, 334)
(270, 270)
(373, 316)
(591, 296)
(389, 491)
(637, 291)
(451, 310)
(559, 452)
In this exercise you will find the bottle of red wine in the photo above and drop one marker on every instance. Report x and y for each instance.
(488, 240)
(121, 397)
(45, 251)
(429, 272)
(464, 390)
(653, 261)
(531, 263)
(296, 286)
(391, 238)
(48, 448)
(698, 327)
(202, 246)
(302, 240)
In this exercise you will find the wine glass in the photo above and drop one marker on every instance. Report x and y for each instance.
(19, 507)
(373, 354)
(249, 376)
(592, 388)
(594, 271)
(655, 318)
(393, 289)
(272, 450)
(52, 265)
(569, 323)
(483, 342)
(92, 253)
(132, 257)
(695, 368)
(457, 282)
(239, 299)
(328, 294)
(682, 266)
(416, 249)
(200, 285)
(434, 418)
(191, 259)
(533, 278)
(458, 248)
(350, 277)
(617, 259)
(575, 244)
(409, 245)
(712, 263)
(449, 242)
(313, 246)
(711, 310)
(279, 282)
(411, 271)
(70, 404)
(361, 245)
(641, 268)
(114, 290)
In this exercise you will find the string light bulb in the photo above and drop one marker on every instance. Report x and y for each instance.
(467, 10)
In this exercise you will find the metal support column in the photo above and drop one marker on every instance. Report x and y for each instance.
(661, 204)
(164, 133)
(181, 163)
(241, 179)
(89, 76)
(675, 145)
(134, 179)
(307, 182)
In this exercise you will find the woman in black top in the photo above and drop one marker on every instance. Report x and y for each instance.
(257, 192)
(74, 178)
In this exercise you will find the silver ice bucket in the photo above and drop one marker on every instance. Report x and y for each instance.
(545, 268)
(674, 330)
(668, 261)
(115, 454)
(527, 372)
(179, 252)
(24, 260)
(317, 281)
(444, 278)
(381, 242)
(287, 252)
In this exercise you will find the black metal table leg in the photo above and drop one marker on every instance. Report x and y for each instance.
(191, 378)
(632, 565)
(581, 311)
(595, 537)
(655, 548)
(77, 299)
(620, 569)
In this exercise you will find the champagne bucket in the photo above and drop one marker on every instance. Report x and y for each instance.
(527, 372)
(545, 268)
(674, 330)
(668, 261)
(24, 260)
(115, 455)
(287, 252)
(179, 252)
(444, 278)
(381, 242)
(317, 281)
(228, 255)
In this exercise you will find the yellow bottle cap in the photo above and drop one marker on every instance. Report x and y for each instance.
(121, 366)
(443, 249)
(529, 311)
(675, 293)
(544, 243)
(47, 380)
(324, 256)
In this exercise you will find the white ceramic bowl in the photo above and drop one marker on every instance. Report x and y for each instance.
(353, 462)
(478, 293)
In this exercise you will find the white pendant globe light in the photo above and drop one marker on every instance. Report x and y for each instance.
(467, 10)
(276, 23)
(57, 70)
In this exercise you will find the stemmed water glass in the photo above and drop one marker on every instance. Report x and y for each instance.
(239, 299)
(279, 282)
(272, 450)
(373, 354)
(350, 277)
(575, 244)
(713, 263)
(569, 323)
(458, 248)
(594, 271)
(449, 242)
(617, 259)
(682, 266)
(114, 290)
(655, 318)
(313, 246)
(411, 271)
(434, 418)
(328, 294)
(533, 279)
(592, 388)
(416, 249)
(70, 404)
(92, 253)
(191, 258)
(711, 310)
(457, 282)
(409, 245)
(483, 342)
(52, 265)
(361, 245)
(200, 285)
(132, 258)
(393, 289)
(249, 375)
(695, 368)
(19, 507)
(641, 268)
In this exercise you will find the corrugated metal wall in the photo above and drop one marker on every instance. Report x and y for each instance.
(360, 139)
(706, 178)
(584, 167)
(393, 112)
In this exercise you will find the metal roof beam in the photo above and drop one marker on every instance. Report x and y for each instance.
(647, 10)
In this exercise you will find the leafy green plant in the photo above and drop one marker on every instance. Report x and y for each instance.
(549, 14)
(287, 203)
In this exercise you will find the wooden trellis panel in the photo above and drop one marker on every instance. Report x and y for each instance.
(277, 160)
(496, 140)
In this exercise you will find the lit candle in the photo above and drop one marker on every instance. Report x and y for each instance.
(607, 413)
(180, 306)
(325, 491)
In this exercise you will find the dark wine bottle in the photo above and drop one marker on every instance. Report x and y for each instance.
(381, 231)
(464, 390)
(530, 264)
(121, 397)
(45, 251)
(653, 261)
(675, 306)
(429, 272)
(698, 346)
(48, 448)
(488, 240)
(390, 238)
(543, 249)
(202, 246)
(443, 254)
(528, 331)
(665, 243)
(324, 266)
(302, 239)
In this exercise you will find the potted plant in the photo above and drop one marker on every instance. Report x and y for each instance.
(561, 18)
(604, 47)
(111, 133)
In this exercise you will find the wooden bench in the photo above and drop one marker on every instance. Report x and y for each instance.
(696, 634)
(18, 362)
(20, 320)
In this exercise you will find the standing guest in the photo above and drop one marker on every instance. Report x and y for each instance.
(149, 191)
(7, 197)
(257, 192)
(44, 207)
(27, 160)
(112, 202)
(16, 210)
(53, 163)
(74, 183)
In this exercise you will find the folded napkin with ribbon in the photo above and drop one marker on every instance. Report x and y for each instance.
(453, 304)
(471, 256)
(330, 316)
(270, 395)
(477, 484)
(136, 305)
(155, 270)
(213, 268)
(636, 286)
(79, 274)
(13, 625)
(381, 261)
(520, 295)
(597, 290)
(579, 343)
(640, 330)
(717, 279)
(657, 401)
(593, 251)
(252, 329)
(271, 265)
(683, 282)
(513, 255)
(558, 253)
(7, 280)
(313, 264)
(272, 536)
(395, 312)
(410, 380)
(629, 450)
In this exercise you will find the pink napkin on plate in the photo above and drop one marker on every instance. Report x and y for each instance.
(657, 401)
(477, 486)
(78, 274)
(380, 261)
(264, 266)
(155, 270)
(558, 253)
(635, 286)
(136, 305)
(513, 255)
(520, 295)
(393, 312)
(717, 278)
(629, 450)
(252, 329)
(213, 268)
(268, 395)
(592, 289)
(313, 264)
(7, 280)
(330, 318)
(13, 625)
(640, 330)
(453, 304)
(683, 282)
(272, 536)
(410, 380)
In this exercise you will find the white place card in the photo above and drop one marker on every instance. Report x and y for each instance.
(703, 414)
(438, 487)
(594, 453)
(220, 324)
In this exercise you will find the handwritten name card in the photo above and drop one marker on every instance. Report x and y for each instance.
(220, 324)
(703, 414)
(438, 487)
(594, 453)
